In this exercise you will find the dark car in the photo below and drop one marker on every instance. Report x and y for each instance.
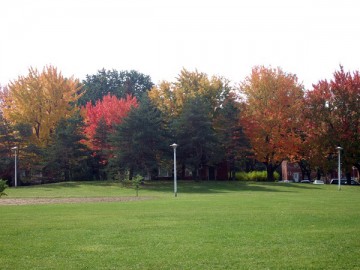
(343, 182)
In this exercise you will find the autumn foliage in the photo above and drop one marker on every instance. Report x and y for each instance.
(41, 100)
(104, 115)
(271, 115)
(333, 117)
(170, 98)
(219, 128)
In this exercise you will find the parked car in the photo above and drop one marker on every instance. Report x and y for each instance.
(318, 182)
(343, 182)
(336, 181)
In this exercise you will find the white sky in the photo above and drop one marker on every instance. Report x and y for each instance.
(309, 38)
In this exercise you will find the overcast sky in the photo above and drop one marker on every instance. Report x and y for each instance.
(309, 38)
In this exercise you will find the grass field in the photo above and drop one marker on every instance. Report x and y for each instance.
(210, 225)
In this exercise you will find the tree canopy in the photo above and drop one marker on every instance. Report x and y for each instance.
(271, 115)
(126, 124)
(66, 152)
(41, 100)
(171, 97)
(333, 117)
(115, 83)
(107, 112)
(195, 134)
(140, 140)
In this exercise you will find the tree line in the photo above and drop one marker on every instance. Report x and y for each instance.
(115, 124)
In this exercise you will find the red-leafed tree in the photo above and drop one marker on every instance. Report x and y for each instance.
(271, 116)
(100, 121)
(333, 119)
(101, 118)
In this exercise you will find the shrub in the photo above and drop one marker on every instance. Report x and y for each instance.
(137, 180)
(255, 176)
(134, 183)
(241, 176)
(3, 186)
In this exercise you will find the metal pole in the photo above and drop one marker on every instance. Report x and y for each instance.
(175, 173)
(15, 148)
(174, 145)
(15, 167)
(339, 167)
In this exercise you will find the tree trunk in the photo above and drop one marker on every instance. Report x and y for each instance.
(270, 172)
(348, 177)
(183, 171)
(66, 171)
(318, 174)
(305, 169)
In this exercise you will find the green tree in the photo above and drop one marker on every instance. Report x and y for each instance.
(139, 142)
(174, 100)
(7, 141)
(196, 137)
(3, 186)
(116, 83)
(67, 157)
(101, 149)
(233, 142)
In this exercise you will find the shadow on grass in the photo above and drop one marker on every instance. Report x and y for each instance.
(76, 184)
(190, 187)
(300, 185)
(57, 185)
(223, 186)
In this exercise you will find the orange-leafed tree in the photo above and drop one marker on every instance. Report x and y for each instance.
(271, 115)
(41, 100)
(101, 118)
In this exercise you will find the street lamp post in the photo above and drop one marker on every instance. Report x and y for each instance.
(15, 148)
(339, 167)
(174, 145)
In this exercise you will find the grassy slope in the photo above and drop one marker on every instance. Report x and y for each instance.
(208, 226)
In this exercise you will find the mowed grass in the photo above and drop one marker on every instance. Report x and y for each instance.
(210, 225)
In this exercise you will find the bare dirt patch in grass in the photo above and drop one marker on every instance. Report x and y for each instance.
(18, 201)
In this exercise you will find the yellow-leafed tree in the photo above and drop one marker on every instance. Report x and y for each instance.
(171, 97)
(41, 100)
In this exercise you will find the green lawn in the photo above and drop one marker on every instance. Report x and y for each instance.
(210, 225)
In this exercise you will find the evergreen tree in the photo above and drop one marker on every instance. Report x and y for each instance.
(7, 140)
(67, 157)
(101, 149)
(140, 140)
(196, 137)
(234, 144)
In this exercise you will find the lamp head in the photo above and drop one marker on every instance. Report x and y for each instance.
(174, 145)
